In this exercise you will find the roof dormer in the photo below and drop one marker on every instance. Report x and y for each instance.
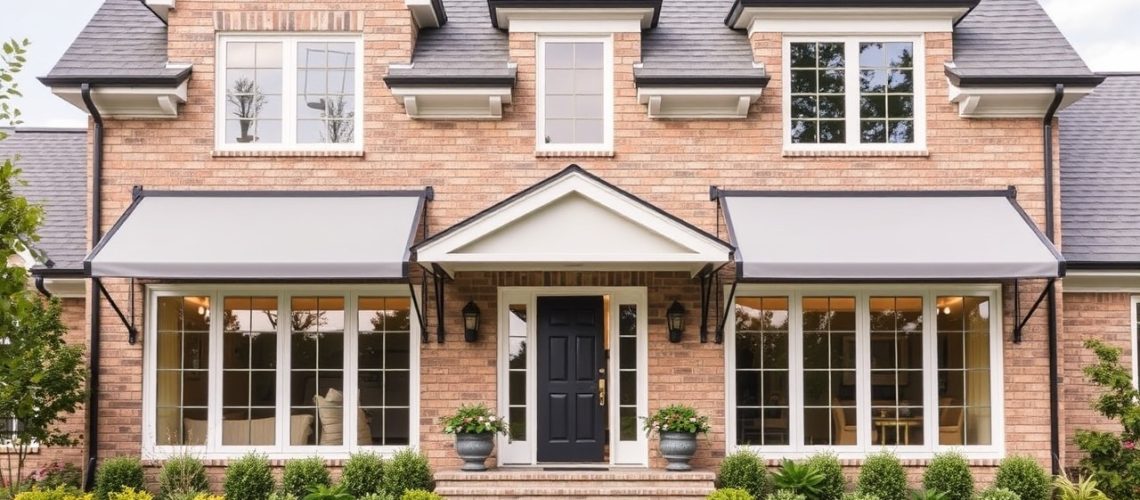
(534, 15)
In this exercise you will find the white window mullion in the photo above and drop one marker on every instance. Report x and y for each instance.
(930, 369)
(863, 372)
(796, 370)
(851, 90)
(351, 393)
(284, 346)
(214, 376)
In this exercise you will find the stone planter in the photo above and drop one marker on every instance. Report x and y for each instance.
(678, 448)
(474, 450)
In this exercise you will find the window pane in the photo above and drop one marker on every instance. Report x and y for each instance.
(249, 360)
(326, 91)
(516, 417)
(886, 93)
(804, 131)
(253, 92)
(383, 376)
(574, 86)
(182, 364)
(762, 370)
(627, 373)
(829, 376)
(896, 370)
(964, 376)
(317, 356)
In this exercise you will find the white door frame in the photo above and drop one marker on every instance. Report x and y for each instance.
(634, 453)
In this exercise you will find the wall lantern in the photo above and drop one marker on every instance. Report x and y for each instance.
(676, 320)
(470, 322)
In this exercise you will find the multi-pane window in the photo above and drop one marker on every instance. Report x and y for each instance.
(292, 371)
(627, 372)
(288, 93)
(845, 92)
(855, 369)
(516, 371)
(574, 90)
(762, 397)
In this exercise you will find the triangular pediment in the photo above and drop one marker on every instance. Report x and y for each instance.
(573, 220)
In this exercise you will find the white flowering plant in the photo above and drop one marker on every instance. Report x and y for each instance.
(474, 419)
(677, 418)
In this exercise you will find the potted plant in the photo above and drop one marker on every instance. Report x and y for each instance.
(474, 427)
(678, 426)
(248, 100)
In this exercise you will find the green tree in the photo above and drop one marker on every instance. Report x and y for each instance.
(1111, 457)
(43, 377)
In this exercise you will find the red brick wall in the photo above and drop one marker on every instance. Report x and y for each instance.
(475, 164)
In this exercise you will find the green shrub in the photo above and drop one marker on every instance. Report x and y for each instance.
(200, 495)
(362, 474)
(377, 496)
(406, 470)
(180, 475)
(927, 495)
(950, 474)
(129, 493)
(744, 470)
(797, 478)
(281, 495)
(833, 484)
(1024, 476)
(997, 494)
(249, 478)
(326, 492)
(301, 476)
(730, 494)
(785, 495)
(420, 495)
(1112, 457)
(883, 476)
(55, 475)
(1084, 489)
(117, 474)
(859, 496)
(57, 493)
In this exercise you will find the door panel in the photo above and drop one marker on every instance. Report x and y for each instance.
(570, 339)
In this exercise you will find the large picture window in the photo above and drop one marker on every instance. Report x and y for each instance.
(857, 369)
(280, 370)
(289, 93)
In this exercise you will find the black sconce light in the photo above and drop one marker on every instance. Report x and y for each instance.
(675, 317)
(470, 322)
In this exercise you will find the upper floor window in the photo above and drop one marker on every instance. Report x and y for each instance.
(291, 93)
(854, 93)
(575, 94)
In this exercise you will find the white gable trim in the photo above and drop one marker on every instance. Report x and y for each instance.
(699, 249)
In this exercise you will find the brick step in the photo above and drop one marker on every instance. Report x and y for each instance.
(615, 484)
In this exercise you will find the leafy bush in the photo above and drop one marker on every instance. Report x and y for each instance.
(1084, 489)
(744, 470)
(1024, 476)
(208, 496)
(301, 476)
(117, 474)
(474, 419)
(280, 495)
(406, 470)
(949, 473)
(377, 496)
(730, 494)
(249, 478)
(797, 478)
(927, 495)
(55, 475)
(1112, 457)
(129, 493)
(420, 495)
(362, 474)
(677, 418)
(833, 484)
(57, 493)
(997, 494)
(859, 496)
(883, 476)
(785, 495)
(326, 492)
(180, 475)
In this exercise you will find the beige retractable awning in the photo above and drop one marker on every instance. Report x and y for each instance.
(261, 236)
(903, 236)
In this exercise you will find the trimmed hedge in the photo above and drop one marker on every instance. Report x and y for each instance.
(949, 474)
(118, 474)
(883, 476)
(1025, 477)
(249, 478)
(744, 470)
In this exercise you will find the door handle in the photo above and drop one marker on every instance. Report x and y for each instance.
(601, 392)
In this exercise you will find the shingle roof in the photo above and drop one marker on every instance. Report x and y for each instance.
(691, 42)
(1014, 41)
(466, 47)
(124, 41)
(54, 165)
(1100, 174)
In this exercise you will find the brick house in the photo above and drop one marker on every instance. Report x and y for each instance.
(849, 206)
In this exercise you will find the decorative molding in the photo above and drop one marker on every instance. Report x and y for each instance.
(608, 153)
(129, 102)
(1009, 101)
(848, 20)
(269, 153)
(698, 103)
(289, 21)
(161, 8)
(453, 102)
(836, 153)
(576, 23)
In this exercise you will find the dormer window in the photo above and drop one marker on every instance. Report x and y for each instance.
(575, 94)
(854, 93)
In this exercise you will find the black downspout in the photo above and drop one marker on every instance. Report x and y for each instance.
(1054, 379)
(95, 303)
(40, 286)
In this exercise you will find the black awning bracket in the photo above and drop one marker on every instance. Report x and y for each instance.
(728, 307)
(1022, 321)
(439, 278)
(706, 289)
(132, 332)
(419, 313)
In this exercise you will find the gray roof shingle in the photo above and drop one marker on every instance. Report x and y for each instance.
(1100, 174)
(124, 41)
(465, 48)
(1014, 41)
(692, 43)
(54, 165)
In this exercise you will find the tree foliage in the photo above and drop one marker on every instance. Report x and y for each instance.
(1112, 457)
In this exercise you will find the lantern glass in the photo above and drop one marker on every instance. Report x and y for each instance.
(676, 318)
(471, 317)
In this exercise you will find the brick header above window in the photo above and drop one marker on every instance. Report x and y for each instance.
(289, 21)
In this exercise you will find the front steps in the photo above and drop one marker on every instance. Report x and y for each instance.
(539, 484)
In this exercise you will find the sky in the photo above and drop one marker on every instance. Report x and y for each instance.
(1104, 32)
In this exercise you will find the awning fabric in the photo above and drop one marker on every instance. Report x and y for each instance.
(261, 235)
(881, 236)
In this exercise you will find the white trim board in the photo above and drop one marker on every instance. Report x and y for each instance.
(574, 21)
(1010, 102)
(847, 20)
(567, 224)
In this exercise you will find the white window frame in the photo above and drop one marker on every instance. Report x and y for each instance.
(1132, 348)
(604, 148)
(288, 92)
(213, 448)
(852, 93)
(862, 294)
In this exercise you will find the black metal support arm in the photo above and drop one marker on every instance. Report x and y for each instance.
(706, 291)
(1021, 322)
(727, 309)
(132, 332)
(439, 278)
(419, 313)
